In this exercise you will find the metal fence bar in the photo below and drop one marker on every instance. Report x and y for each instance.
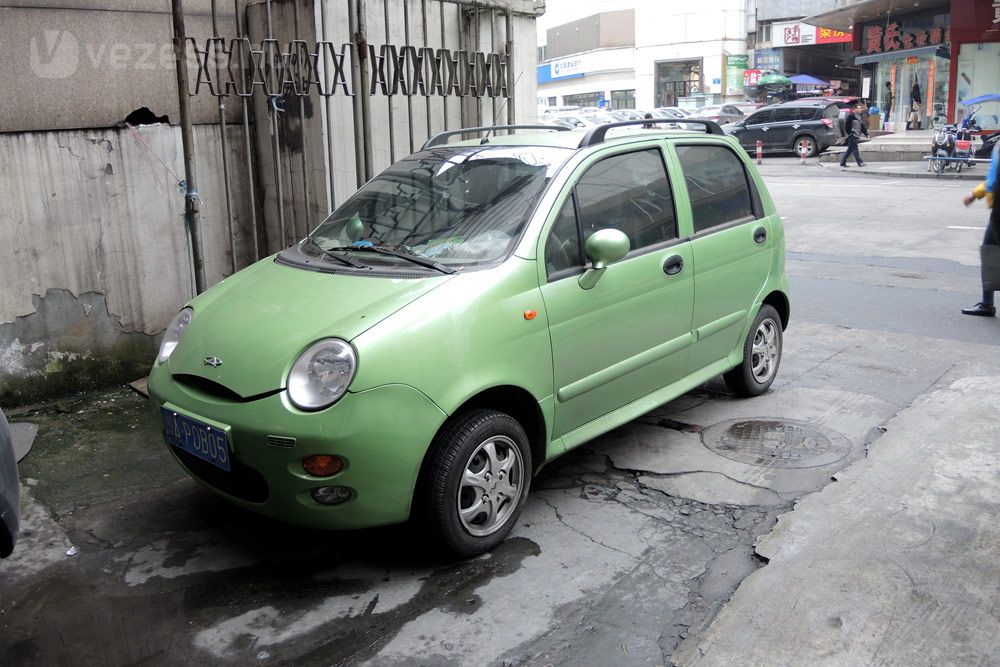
(444, 45)
(224, 139)
(388, 98)
(409, 92)
(427, 96)
(275, 140)
(192, 215)
(248, 145)
(331, 185)
(509, 21)
(302, 132)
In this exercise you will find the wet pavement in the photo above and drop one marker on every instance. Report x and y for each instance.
(629, 550)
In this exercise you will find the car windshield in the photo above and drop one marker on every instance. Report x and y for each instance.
(461, 206)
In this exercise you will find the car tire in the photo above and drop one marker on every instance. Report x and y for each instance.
(761, 355)
(492, 448)
(805, 141)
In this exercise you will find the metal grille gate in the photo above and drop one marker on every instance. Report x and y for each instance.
(323, 94)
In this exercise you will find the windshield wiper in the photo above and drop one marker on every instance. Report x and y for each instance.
(349, 261)
(416, 259)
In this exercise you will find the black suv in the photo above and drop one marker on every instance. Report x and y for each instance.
(801, 127)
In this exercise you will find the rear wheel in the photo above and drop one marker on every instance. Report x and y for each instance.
(761, 355)
(805, 145)
(477, 481)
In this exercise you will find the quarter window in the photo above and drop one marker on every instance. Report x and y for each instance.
(562, 248)
(717, 186)
(628, 192)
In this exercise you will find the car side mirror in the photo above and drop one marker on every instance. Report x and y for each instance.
(604, 247)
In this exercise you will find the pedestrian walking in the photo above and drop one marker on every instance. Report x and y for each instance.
(887, 107)
(990, 250)
(854, 128)
(916, 106)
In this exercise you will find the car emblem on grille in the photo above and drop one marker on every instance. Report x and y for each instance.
(214, 362)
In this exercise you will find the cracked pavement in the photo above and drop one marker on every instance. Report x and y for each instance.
(648, 545)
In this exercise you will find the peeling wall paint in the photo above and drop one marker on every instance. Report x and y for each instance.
(93, 249)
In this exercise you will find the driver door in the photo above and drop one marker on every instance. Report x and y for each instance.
(629, 334)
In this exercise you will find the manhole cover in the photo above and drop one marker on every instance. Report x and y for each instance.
(776, 443)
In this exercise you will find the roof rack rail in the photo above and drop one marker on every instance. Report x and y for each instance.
(596, 135)
(439, 138)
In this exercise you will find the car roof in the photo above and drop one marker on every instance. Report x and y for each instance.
(571, 138)
(824, 102)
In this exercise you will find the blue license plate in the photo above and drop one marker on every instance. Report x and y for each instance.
(209, 443)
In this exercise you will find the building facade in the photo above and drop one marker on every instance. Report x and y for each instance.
(641, 54)
(925, 56)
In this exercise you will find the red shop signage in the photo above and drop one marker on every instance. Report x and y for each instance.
(889, 38)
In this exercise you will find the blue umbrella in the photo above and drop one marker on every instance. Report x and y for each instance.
(988, 97)
(805, 79)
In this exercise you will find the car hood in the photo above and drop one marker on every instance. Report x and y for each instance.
(259, 320)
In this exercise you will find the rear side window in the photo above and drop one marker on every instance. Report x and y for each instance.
(717, 186)
(831, 112)
(785, 114)
(760, 117)
(807, 113)
(628, 192)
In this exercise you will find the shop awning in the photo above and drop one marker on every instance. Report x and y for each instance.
(866, 11)
(896, 55)
(806, 80)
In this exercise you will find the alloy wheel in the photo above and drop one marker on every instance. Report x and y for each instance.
(491, 486)
(764, 352)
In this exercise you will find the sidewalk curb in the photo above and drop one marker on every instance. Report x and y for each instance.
(874, 171)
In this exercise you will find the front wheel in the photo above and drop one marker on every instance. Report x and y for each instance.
(477, 481)
(805, 145)
(761, 355)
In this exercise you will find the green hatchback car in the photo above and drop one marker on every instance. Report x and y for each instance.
(471, 313)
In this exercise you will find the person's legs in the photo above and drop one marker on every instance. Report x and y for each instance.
(857, 152)
(985, 307)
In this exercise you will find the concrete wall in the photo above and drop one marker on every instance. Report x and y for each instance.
(93, 251)
(89, 63)
(776, 10)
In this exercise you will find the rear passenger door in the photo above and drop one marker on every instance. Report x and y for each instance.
(782, 129)
(731, 246)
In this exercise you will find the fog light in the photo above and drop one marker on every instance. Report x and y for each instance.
(331, 495)
(322, 465)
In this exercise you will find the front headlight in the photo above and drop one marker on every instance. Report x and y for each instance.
(172, 336)
(322, 374)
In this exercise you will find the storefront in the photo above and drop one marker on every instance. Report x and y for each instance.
(975, 65)
(910, 54)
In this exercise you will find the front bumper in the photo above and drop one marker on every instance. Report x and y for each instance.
(381, 434)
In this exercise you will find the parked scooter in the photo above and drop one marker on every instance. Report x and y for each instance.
(985, 152)
(943, 147)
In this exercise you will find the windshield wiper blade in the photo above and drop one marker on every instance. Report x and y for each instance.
(416, 259)
(344, 259)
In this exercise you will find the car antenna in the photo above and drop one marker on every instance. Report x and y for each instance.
(486, 137)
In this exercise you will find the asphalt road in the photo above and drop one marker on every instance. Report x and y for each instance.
(629, 546)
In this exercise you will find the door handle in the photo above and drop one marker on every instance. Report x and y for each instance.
(672, 265)
(760, 235)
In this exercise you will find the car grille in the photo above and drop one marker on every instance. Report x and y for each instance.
(241, 481)
(206, 386)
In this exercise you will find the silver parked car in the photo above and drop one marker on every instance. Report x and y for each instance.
(10, 491)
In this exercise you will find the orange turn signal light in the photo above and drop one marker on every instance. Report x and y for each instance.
(530, 314)
(322, 465)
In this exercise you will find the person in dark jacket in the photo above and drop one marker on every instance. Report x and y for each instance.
(990, 189)
(887, 107)
(854, 128)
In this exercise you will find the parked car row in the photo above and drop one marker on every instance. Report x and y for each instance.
(808, 125)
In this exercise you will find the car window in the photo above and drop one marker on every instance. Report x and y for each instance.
(760, 117)
(831, 111)
(785, 114)
(562, 248)
(628, 192)
(806, 113)
(717, 186)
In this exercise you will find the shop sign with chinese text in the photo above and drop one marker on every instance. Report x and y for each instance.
(802, 34)
(894, 36)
